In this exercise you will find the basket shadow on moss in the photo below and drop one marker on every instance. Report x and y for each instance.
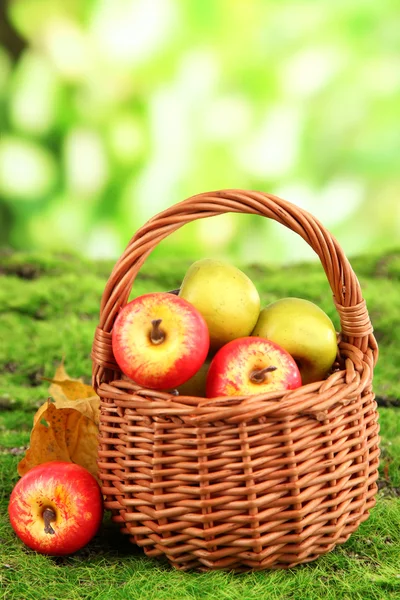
(239, 483)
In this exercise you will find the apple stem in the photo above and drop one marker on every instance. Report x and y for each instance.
(157, 336)
(259, 375)
(49, 516)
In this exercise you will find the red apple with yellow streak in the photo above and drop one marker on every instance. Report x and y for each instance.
(160, 340)
(251, 365)
(56, 508)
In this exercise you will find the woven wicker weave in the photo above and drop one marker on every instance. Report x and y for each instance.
(267, 481)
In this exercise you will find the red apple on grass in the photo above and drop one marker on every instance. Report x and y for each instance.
(160, 340)
(251, 365)
(56, 508)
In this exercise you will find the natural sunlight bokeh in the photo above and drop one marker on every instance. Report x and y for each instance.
(112, 110)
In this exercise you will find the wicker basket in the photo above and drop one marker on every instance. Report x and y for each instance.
(258, 482)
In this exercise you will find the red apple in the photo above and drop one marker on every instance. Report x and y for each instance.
(56, 508)
(250, 365)
(160, 340)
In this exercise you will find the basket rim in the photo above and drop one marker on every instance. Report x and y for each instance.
(341, 388)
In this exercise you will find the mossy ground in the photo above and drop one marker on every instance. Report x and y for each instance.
(49, 309)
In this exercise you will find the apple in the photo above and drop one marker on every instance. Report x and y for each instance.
(225, 296)
(305, 331)
(196, 385)
(56, 508)
(251, 365)
(160, 340)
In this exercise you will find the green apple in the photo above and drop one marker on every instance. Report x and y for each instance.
(196, 385)
(305, 331)
(225, 296)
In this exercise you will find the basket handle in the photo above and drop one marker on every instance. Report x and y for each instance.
(356, 327)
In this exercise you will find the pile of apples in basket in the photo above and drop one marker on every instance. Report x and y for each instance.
(210, 338)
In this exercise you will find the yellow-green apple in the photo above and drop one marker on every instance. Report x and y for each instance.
(225, 296)
(305, 331)
(56, 508)
(160, 340)
(196, 385)
(251, 365)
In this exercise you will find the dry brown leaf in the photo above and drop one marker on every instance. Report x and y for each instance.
(71, 393)
(90, 407)
(68, 436)
(63, 387)
(67, 429)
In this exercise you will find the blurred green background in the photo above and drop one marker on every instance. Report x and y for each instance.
(111, 110)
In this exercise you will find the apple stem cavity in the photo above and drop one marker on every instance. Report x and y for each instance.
(157, 336)
(258, 376)
(49, 516)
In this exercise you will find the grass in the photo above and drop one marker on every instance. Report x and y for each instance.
(49, 309)
(367, 567)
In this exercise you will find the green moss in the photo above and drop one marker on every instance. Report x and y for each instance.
(53, 311)
(365, 568)
(49, 308)
(390, 448)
